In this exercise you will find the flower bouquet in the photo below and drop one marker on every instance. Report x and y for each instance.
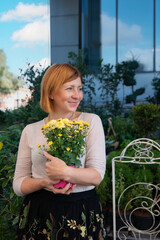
(66, 140)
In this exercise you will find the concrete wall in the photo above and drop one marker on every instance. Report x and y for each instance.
(64, 29)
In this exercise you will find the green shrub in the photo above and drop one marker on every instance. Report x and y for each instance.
(9, 202)
(2, 117)
(19, 115)
(146, 117)
(156, 87)
(125, 128)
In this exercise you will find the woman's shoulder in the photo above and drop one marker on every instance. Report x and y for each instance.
(90, 116)
(35, 125)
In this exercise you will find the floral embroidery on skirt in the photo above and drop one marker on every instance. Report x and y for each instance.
(45, 215)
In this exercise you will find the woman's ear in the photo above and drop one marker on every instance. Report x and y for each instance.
(51, 96)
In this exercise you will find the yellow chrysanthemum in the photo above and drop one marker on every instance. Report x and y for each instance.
(60, 135)
(50, 143)
(77, 131)
(1, 145)
(60, 125)
(52, 122)
(65, 120)
(38, 145)
(68, 149)
(69, 136)
(82, 147)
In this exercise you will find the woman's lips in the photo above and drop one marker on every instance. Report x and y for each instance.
(73, 103)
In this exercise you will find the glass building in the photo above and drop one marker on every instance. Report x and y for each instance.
(112, 30)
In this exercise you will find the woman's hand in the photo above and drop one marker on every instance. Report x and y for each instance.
(56, 168)
(48, 183)
(66, 190)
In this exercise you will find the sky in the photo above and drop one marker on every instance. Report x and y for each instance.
(25, 33)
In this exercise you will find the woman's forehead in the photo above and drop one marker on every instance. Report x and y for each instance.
(76, 81)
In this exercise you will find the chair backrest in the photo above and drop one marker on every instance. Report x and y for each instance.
(142, 155)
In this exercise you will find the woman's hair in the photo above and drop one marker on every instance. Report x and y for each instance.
(53, 79)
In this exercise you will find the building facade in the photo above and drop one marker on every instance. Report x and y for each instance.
(112, 30)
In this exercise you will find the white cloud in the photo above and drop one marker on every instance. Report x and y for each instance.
(144, 56)
(25, 12)
(37, 31)
(128, 34)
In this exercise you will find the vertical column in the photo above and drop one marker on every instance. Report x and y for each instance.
(91, 31)
(64, 19)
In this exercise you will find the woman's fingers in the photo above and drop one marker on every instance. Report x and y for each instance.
(47, 155)
(66, 190)
(70, 189)
(61, 190)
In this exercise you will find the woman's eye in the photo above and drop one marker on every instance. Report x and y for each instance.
(69, 88)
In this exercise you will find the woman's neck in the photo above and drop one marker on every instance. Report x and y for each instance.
(53, 115)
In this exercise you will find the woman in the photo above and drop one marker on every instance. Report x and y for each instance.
(48, 212)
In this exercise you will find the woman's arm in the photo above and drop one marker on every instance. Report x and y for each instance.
(57, 169)
(30, 185)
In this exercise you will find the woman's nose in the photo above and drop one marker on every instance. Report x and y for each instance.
(76, 93)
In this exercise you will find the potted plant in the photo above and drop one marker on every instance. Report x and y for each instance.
(66, 140)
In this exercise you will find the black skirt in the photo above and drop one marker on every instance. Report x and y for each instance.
(45, 215)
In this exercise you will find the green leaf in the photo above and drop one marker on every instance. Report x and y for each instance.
(23, 223)
(15, 221)
(25, 211)
(4, 184)
(83, 217)
(49, 225)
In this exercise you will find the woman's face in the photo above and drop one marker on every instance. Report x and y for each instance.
(68, 96)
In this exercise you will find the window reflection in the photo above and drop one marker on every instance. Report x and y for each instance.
(158, 35)
(108, 23)
(135, 32)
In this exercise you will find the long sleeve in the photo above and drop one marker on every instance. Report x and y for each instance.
(23, 165)
(95, 154)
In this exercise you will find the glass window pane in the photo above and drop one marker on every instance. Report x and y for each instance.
(108, 24)
(135, 32)
(157, 35)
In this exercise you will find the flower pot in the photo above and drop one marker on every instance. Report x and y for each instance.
(62, 184)
(142, 221)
